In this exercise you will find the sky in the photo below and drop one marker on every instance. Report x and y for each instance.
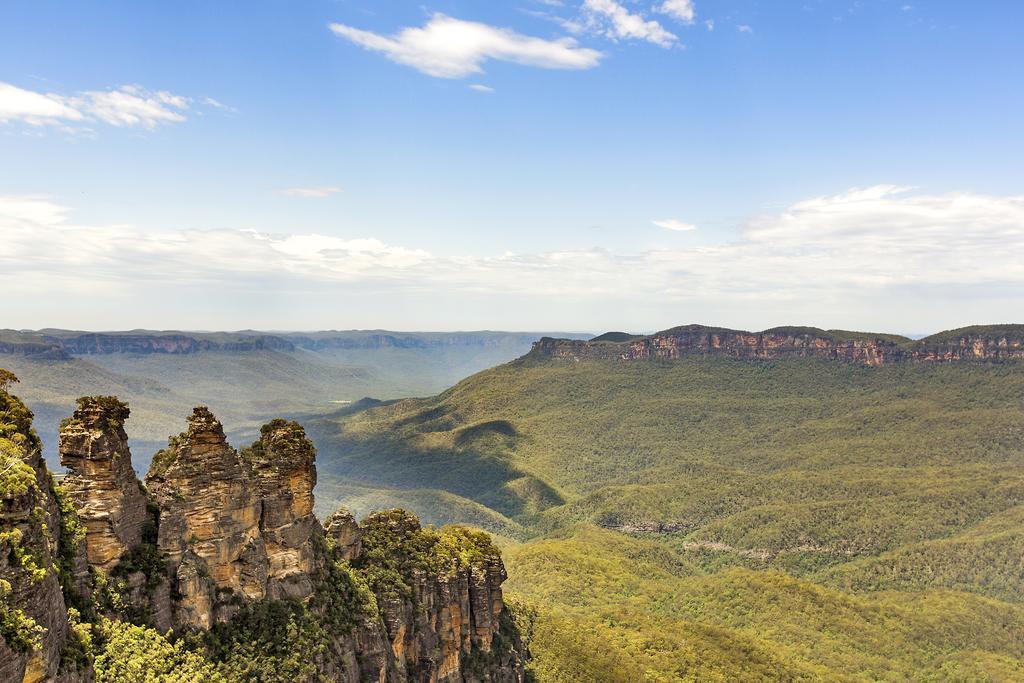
(573, 165)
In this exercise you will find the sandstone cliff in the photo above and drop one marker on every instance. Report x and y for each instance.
(997, 343)
(36, 552)
(222, 555)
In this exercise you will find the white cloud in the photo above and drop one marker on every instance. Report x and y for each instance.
(612, 20)
(36, 109)
(709, 24)
(863, 243)
(218, 105)
(315, 192)
(129, 105)
(452, 48)
(680, 9)
(743, 28)
(673, 224)
(481, 88)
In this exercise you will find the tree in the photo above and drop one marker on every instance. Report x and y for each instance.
(7, 378)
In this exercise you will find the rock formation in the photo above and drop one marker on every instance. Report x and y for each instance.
(344, 531)
(282, 462)
(225, 540)
(980, 344)
(101, 481)
(209, 531)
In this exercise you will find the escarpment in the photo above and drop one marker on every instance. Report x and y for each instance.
(994, 343)
(220, 559)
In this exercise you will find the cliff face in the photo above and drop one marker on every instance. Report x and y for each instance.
(445, 617)
(983, 345)
(223, 546)
(34, 552)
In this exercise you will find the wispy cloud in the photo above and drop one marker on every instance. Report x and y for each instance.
(613, 20)
(674, 224)
(744, 28)
(218, 105)
(451, 48)
(126, 106)
(682, 10)
(481, 88)
(315, 192)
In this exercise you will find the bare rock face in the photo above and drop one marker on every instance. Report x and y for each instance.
(343, 529)
(210, 510)
(101, 481)
(282, 463)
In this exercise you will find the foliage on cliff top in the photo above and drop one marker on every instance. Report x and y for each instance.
(395, 547)
(286, 438)
(113, 410)
(986, 331)
(16, 426)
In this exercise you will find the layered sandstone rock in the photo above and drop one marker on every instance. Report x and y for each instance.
(343, 529)
(101, 481)
(282, 463)
(210, 509)
(980, 344)
(446, 618)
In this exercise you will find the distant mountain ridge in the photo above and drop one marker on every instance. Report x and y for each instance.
(979, 342)
(63, 344)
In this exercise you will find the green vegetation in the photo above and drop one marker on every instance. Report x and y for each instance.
(115, 410)
(72, 535)
(396, 547)
(139, 653)
(20, 631)
(716, 519)
(986, 330)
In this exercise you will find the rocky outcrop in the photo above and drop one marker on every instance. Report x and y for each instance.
(445, 617)
(100, 480)
(223, 543)
(344, 532)
(282, 463)
(209, 531)
(980, 344)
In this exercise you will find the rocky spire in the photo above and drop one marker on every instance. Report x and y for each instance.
(100, 479)
(282, 462)
(209, 530)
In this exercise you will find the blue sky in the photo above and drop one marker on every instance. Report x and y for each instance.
(581, 165)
